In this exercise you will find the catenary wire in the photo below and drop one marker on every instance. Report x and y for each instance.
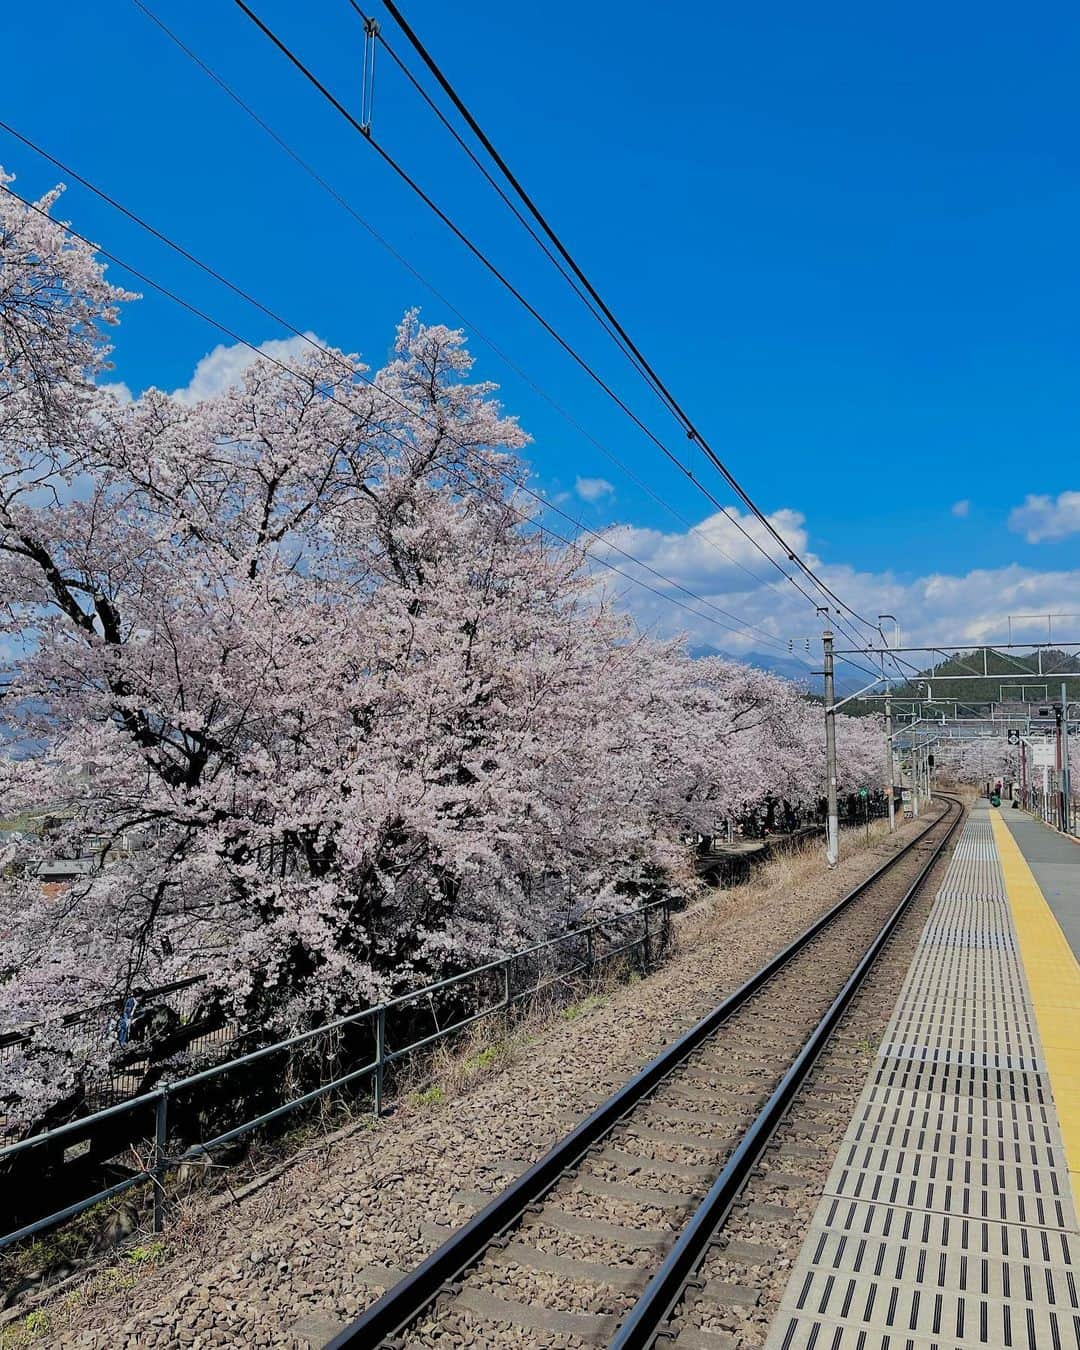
(500, 191)
(347, 206)
(620, 340)
(654, 379)
(365, 131)
(481, 257)
(743, 625)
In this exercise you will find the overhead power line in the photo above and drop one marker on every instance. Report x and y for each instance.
(500, 276)
(607, 324)
(599, 309)
(473, 328)
(469, 484)
(654, 378)
(365, 132)
(497, 188)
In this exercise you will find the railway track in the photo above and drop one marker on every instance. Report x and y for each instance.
(595, 1243)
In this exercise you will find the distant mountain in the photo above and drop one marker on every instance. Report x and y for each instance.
(1015, 678)
(802, 672)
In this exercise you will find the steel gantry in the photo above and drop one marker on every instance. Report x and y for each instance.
(1038, 718)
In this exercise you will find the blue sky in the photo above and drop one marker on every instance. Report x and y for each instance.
(845, 234)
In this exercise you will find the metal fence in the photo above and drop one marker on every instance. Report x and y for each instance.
(159, 1130)
(179, 997)
(1050, 805)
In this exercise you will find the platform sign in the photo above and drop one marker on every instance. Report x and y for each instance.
(1042, 754)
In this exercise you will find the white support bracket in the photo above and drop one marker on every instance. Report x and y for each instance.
(833, 707)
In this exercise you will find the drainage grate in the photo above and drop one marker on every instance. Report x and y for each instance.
(947, 1220)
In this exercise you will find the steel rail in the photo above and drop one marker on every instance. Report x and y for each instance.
(406, 1300)
(646, 1320)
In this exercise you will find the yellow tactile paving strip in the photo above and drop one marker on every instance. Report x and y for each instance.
(1053, 977)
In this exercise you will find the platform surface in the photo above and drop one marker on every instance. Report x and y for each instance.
(948, 1219)
(1055, 861)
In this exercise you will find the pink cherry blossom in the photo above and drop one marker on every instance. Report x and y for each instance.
(338, 717)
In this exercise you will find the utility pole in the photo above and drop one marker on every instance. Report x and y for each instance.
(900, 772)
(1066, 784)
(1058, 761)
(889, 775)
(832, 824)
(1023, 776)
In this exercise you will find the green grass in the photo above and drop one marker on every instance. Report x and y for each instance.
(576, 1010)
(150, 1253)
(481, 1061)
(29, 1330)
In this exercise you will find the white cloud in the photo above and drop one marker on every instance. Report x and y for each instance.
(937, 607)
(721, 551)
(225, 365)
(592, 489)
(119, 391)
(962, 508)
(1043, 517)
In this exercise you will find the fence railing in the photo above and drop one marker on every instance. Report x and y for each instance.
(179, 996)
(1050, 806)
(162, 1129)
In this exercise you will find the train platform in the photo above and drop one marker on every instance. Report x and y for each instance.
(949, 1216)
(1054, 860)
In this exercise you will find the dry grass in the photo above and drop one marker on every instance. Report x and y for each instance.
(201, 1198)
(797, 867)
(458, 1065)
(122, 1274)
(461, 1063)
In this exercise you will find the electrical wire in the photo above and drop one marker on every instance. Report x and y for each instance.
(469, 484)
(366, 132)
(500, 192)
(655, 380)
(347, 206)
(482, 257)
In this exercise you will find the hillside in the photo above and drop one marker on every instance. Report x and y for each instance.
(1019, 680)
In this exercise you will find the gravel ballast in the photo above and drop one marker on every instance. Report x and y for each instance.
(292, 1261)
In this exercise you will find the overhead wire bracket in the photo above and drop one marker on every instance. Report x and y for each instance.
(367, 82)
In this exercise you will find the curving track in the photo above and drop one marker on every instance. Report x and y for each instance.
(594, 1244)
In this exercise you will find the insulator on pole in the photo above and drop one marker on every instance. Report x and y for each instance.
(367, 79)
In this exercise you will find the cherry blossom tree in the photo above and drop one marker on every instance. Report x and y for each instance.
(860, 751)
(977, 760)
(333, 716)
